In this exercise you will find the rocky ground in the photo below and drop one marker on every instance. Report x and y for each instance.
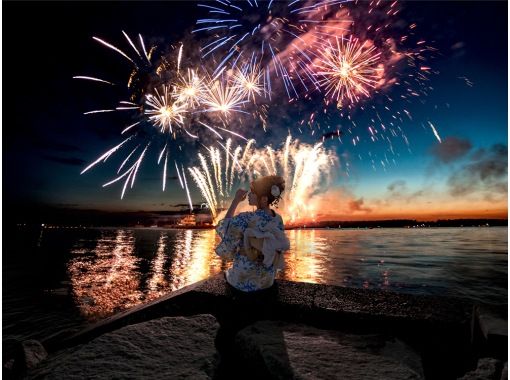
(164, 348)
(295, 331)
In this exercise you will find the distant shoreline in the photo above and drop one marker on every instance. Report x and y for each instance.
(328, 225)
(404, 223)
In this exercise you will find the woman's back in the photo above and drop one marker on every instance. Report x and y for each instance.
(244, 238)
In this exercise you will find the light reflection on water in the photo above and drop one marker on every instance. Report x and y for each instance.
(120, 271)
(195, 260)
(106, 280)
(305, 261)
(126, 267)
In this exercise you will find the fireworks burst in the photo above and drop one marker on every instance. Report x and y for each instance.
(249, 79)
(366, 77)
(308, 46)
(259, 31)
(225, 98)
(348, 70)
(178, 98)
(190, 89)
(163, 111)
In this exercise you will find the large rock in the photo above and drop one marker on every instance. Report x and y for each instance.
(13, 359)
(287, 351)
(487, 369)
(494, 328)
(34, 353)
(18, 357)
(165, 348)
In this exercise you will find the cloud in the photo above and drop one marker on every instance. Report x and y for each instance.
(67, 205)
(346, 204)
(356, 205)
(186, 205)
(486, 172)
(451, 149)
(66, 161)
(458, 45)
(399, 192)
(458, 50)
(397, 186)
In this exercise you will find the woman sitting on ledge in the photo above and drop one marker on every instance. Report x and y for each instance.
(256, 239)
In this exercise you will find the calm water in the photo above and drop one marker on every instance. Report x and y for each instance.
(64, 278)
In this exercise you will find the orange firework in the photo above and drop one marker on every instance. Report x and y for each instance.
(348, 70)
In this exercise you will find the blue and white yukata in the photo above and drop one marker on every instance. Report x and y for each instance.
(256, 242)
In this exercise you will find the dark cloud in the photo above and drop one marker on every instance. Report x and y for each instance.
(451, 149)
(357, 205)
(67, 205)
(66, 161)
(398, 191)
(186, 205)
(416, 194)
(458, 50)
(458, 45)
(486, 172)
(397, 186)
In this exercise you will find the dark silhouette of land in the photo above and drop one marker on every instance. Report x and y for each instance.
(403, 223)
(36, 215)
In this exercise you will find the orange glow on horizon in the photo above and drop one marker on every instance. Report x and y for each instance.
(418, 215)
(341, 205)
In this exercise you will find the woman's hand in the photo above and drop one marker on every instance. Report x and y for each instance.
(240, 195)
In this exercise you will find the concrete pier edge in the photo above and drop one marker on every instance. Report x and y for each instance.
(446, 331)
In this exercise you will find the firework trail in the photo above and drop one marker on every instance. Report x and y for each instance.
(217, 192)
(305, 168)
(436, 134)
(92, 79)
(187, 189)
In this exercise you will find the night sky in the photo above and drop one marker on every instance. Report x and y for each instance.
(47, 140)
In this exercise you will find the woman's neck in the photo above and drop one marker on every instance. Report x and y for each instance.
(266, 209)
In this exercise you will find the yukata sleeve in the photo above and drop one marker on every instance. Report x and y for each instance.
(231, 230)
(242, 220)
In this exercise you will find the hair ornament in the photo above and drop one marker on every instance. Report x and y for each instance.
(275, 191)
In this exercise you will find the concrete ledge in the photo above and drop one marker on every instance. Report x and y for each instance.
(304, 302)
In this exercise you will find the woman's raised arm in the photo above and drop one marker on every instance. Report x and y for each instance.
(238, 198)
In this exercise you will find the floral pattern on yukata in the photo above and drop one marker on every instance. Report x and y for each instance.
(245, 274)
